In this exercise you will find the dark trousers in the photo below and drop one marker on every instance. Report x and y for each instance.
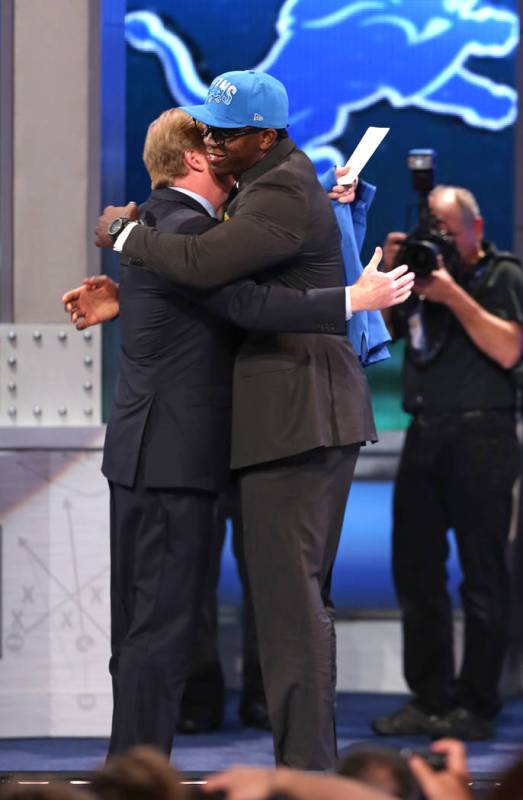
(159, 550)
(293, 512)
(205, 686)
(455, 472)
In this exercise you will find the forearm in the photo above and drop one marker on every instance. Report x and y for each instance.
(499, 339)
(229, 251)
(251, 306)
(309, 786)
(275, 308)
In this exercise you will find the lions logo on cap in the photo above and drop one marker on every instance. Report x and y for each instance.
(221, 91)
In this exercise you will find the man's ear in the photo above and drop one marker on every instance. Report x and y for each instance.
(479, 227)
(195, 160)
(267, 138)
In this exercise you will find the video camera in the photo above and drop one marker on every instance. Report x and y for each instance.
(425, 242)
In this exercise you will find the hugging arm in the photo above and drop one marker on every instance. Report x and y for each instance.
(276, 308)
(244, 304)
(245, 244)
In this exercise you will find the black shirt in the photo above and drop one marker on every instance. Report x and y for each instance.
(457, 375)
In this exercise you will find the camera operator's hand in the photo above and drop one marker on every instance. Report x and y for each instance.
(343, 193)
(500, 339)
(439, 286)
(391, 247)
(451, 783)
(375, 290)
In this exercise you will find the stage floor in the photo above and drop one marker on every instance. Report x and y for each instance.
(195, 755)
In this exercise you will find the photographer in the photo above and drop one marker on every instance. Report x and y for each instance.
(464, 333)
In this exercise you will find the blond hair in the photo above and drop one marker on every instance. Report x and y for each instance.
(168, 137)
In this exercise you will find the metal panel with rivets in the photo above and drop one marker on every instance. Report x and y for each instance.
(50, 375)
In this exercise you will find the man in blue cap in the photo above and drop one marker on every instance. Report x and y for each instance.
(301, 406)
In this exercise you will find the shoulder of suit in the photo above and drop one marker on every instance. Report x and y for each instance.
(170, 211)
(296, 169)
(290, 174)
(186, 220)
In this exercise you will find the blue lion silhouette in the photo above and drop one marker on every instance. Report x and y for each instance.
(409, 52)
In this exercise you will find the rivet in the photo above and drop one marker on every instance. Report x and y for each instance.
(12, 336)
(88, 412)
(62, 411)
(88, 360)
(88, 386)
(88, 335)
(62, 335)
(12, 361)
(37, 411)
(11, 411)
(37, 335)
(11, 386)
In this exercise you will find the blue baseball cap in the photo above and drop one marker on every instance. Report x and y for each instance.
(237, 99)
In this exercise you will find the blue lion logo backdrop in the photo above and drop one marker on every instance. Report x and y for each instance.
(439, 73)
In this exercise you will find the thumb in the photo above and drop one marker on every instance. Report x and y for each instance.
(131, 210)
(373, 264)
(341, 171)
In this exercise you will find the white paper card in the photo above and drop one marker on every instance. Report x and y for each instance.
(368, 144)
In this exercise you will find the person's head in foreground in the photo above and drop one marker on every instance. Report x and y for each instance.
(380, 767)
(244, 115)
(141, 774)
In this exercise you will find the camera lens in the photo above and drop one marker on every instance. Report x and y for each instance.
(421, 256)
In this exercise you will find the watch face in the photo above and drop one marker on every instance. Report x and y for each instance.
(116, 226)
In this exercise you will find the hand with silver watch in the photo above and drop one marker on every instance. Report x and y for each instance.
(112, 222)
(118, 225)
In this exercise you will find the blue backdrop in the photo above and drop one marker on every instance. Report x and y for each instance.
(439, 73)
(362, 576)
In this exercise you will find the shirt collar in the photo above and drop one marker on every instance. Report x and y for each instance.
(208, 206)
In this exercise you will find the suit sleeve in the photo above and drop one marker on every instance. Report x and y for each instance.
(276, 308)
(266, 308)
(269, 227)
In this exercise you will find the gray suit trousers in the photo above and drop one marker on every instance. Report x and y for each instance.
(293, 512)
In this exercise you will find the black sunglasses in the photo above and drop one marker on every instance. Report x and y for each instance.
(222, 136)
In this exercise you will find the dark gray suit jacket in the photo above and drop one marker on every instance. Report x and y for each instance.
(172, 403)
(292, 393)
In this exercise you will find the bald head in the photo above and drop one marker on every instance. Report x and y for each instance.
(458, 215)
